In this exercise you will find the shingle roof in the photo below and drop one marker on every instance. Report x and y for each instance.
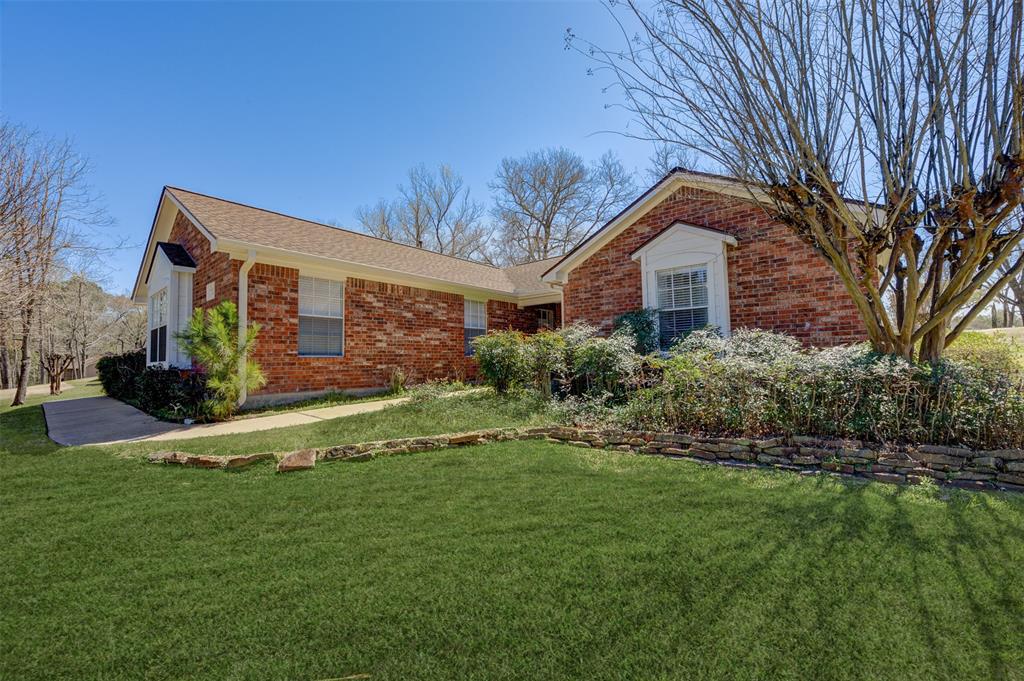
(177, 254)
(527, 276)
(239, 222)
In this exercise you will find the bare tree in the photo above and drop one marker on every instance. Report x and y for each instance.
(43, 202)
(433, 211)
(668, 157)
(548, 201)
(379, 220)
(1012, 295)
(885, 135)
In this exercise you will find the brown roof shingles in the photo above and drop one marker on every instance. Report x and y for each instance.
(238, 222)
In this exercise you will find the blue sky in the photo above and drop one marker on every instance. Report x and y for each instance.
(306, 108)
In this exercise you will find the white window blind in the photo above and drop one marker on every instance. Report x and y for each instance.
(475, 323)
(682, 302)
(321, 319)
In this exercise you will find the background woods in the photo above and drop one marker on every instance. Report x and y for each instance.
(49, 304)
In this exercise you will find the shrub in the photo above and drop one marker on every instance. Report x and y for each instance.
(757, 383)
(607, 365)
(502, 359)
(990, 352)
(642, 324)
(545, 358)
(172, 394)
(432, 390)
(211, 339)
(118, 373)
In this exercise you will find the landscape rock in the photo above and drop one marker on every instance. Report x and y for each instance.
(300, 460)
(240, 461)
(940, 459)
(167, 457)
(203, 461)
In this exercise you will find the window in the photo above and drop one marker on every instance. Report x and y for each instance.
(545, 318)
(476, 323)
(682, 302)
(321, 322)
(158, 326)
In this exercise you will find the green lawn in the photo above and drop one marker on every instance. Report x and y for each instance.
(514, 560)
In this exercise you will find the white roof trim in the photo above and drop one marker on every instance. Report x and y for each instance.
(610, 230)
(687, 228)
(670, 183)
(148, 254)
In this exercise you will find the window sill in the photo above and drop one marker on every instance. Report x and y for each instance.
(321, 356)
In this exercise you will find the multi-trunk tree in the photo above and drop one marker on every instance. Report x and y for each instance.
(888, 136)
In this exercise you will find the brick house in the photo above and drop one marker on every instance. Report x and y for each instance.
(341, 310)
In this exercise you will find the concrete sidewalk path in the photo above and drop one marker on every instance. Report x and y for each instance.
(97, 420)
(105, 421)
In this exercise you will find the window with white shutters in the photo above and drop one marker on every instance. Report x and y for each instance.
(321, 318)
(475, 323)
(682, 302)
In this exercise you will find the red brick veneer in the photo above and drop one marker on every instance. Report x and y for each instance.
(210, 266)
(776, 282)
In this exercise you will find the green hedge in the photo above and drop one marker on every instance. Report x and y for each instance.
(170, 394)
(758, 383)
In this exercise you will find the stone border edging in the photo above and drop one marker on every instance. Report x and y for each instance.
(982, 470)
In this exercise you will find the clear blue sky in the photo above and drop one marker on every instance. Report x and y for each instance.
(306, 108)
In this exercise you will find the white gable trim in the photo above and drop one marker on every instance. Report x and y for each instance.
(680, 178)
(163, 221)
(683, 228)
(655, 195)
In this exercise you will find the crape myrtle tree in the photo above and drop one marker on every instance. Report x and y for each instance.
(887, 135)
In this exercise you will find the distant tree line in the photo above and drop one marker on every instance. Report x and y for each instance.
(542, 204)
(54, 315)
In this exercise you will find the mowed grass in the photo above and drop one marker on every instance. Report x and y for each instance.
(519, 560)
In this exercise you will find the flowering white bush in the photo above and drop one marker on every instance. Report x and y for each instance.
(759, 383)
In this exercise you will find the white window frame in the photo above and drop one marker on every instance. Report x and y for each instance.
(682, 245)
(467, 318)
(545, 318)
(341, 315)
(155, 323)
(660, 305)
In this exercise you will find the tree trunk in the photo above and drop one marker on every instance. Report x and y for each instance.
(26, 360)
(5, 366)
(933, 343)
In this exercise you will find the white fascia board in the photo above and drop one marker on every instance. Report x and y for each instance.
(655, 195)
(160, 230)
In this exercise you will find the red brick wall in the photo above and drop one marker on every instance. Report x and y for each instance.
(215, 267)
(776, 281)
(386, 325)
(502, 316)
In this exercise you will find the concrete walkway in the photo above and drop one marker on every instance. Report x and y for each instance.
(105, 421)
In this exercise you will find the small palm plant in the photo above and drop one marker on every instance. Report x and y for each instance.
(211, 339)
